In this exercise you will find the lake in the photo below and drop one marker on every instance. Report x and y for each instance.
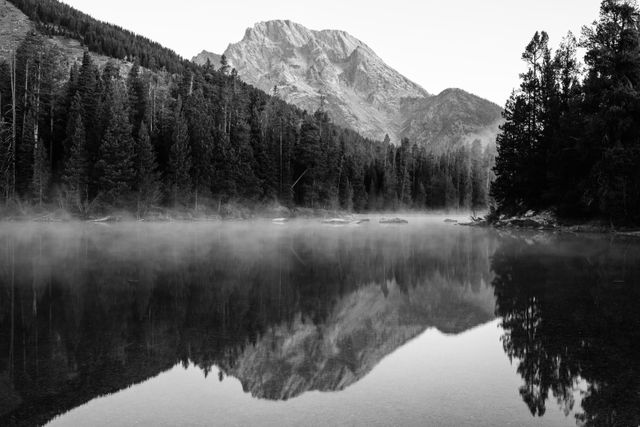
(256, 323)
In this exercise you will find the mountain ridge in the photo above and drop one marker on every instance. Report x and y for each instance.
(357, 88)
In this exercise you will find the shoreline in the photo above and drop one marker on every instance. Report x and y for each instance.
(227, 213)
(549, 222)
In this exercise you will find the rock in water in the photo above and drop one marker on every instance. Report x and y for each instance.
(336, 221)
(393, 221)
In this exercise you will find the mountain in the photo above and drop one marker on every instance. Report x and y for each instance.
(453, 116)
(205, 56)
(360, 90)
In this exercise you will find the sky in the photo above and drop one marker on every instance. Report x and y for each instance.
(475, 45)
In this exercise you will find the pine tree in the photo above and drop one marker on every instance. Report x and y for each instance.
(524, 143)
(41, 172)
(147, 179)
(306, 169)
(567, 158)
(76, 168)
(405, 170)
(138, 89)
(180, 159)
(479, 179)
(390, 185)
(87, 87)
(5, 160)
(201, 138)
(224, 65)
(115, 167)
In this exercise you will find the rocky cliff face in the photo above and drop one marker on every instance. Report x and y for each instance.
(360, 90)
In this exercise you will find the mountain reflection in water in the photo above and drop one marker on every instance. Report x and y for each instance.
(86, 311)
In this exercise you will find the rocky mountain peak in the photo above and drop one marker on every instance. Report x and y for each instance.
(362, 92)
(205, 56)
(277, 31)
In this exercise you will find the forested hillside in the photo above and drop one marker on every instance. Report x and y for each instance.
(571, 141)
(172, 133)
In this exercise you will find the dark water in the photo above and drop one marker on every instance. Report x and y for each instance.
(303, 324)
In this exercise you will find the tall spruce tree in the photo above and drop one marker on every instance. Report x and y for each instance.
(5, 160)
(180, 159)
(76, 168)
(115, 167)
(147, 182)
(138, 89)
(202, 143)
(523, 143)
(41, 172)
(87, 87)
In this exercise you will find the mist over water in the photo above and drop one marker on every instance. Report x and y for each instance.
(371, 324)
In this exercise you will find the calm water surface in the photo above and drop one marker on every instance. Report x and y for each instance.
(305, 324)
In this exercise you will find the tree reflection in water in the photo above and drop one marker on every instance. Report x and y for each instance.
(571, 313)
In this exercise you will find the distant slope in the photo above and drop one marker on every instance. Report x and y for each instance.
(361, 91)
(13, 29)
(451, 118)
(15, 25)
(54, 18)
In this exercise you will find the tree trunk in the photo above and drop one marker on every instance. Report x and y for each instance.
(281, 171)
(51, 134)
(26, 97)
(36, 129)
(12, 148)
(38, 164)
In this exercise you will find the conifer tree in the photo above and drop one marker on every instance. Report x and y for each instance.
(523, 144)
(307, 155)
(201, 139)
(41, 172)
(87, 87)
(5, 160)
(180, 159)
(138, 89)
(115, 167)
(224, 65)
(76, 168)
(479, 179)
(147, 179)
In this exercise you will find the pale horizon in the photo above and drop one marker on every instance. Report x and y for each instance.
(467, 44)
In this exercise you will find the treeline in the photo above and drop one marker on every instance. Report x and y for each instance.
(571, 141)
(127, 137)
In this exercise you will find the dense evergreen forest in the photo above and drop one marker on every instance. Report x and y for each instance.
(166, 132)
(571, 141)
